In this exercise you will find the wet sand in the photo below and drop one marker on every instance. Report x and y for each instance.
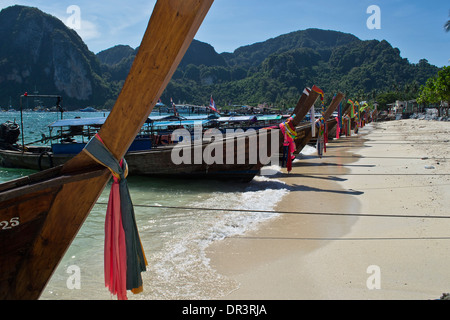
(396, 168)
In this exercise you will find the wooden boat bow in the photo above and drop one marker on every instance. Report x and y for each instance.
(303, 141)
(45, 211)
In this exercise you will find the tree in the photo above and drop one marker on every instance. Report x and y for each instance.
(443, 84)
(427, 94)
(436, 89)
(386, 98)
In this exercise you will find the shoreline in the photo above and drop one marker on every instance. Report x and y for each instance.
(332, 257)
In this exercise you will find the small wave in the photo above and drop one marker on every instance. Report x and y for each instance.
(308, 150)
(270, 170)
(181, 269)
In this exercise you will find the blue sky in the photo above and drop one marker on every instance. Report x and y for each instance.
(413, 26)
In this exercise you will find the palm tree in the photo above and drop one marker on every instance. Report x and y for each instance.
(447, 25)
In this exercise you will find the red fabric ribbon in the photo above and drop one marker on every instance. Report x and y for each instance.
(338, 128)
(123, 252)
(115, 247)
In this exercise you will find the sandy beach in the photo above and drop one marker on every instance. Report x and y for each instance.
(391, 184)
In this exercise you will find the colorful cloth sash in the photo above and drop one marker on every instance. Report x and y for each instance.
(289, 133)
(338, 128)
(124, 256)
(321, 137)
(319, 91)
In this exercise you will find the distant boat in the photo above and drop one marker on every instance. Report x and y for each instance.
(88, 109)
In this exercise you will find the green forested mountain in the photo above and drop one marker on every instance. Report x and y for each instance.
(39, 51)
(276, 71)
(318, 40)
(116, 55)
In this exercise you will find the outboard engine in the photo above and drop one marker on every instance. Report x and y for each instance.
(9, 134)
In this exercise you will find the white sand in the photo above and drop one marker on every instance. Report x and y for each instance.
(390, 168)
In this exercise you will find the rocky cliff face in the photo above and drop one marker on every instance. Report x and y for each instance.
(39, 52)
(70, 70)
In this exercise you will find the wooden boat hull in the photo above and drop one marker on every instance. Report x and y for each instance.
(31, 160)
(149, 163)
(159, 162)
(235, 158)
(309, 139)
(29, 231)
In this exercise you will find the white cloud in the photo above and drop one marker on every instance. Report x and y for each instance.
(73, 19)
(87, 30)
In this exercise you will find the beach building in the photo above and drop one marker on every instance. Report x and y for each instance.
(403, 109)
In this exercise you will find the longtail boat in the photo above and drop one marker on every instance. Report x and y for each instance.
(306, 137)
(333, 125)
(299, 113)
(290, 131)
(42, 213)
(348, 118)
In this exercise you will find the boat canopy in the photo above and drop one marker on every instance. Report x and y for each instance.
(153, 120)
(78, 122)
(164, 121)
(236, 118)
(269, 117)
(178, 123)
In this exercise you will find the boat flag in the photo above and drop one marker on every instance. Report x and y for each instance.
(212, 105)
(174, 107)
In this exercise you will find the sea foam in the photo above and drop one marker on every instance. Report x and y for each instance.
(181, 269)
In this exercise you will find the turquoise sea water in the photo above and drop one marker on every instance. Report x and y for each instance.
(174, 240)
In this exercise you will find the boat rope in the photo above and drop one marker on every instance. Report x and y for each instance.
(337, 238)
(50, 159)
(370, 215)
(124, 255)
